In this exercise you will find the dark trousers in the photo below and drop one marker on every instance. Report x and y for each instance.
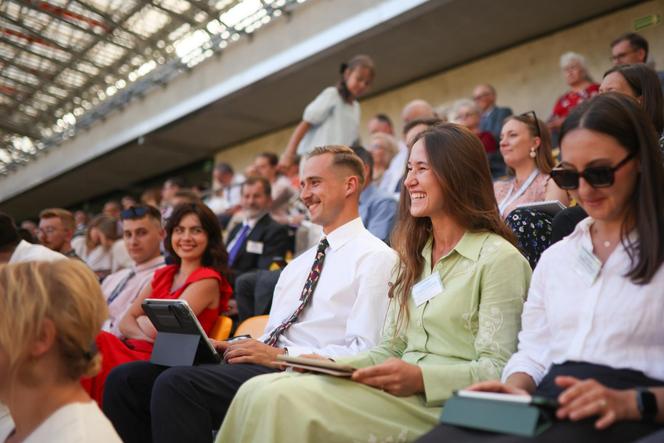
(253, 292)
(147, 402)
(565, 431)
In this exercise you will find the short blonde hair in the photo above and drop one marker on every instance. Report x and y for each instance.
(66, 217)
(64, 291)
(342, 156)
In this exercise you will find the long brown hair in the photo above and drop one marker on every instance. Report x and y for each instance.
(621, 117)
(456, 157)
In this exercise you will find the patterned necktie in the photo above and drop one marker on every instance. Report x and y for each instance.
(118, 289)
(235, 250)
(307, 292)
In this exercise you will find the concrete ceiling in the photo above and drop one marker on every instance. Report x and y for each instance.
(429, 39)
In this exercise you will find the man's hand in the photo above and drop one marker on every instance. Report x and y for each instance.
(394, 376)
(249, 351)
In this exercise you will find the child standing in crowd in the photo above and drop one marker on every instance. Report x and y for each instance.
(334, 116)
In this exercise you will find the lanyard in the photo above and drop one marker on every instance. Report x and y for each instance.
(509, 198)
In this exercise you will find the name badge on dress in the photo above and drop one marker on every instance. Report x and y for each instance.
(255, 247)
(588, 266)
(427, 289)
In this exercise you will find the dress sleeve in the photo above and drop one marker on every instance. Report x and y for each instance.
(317, 111)
(503, 288)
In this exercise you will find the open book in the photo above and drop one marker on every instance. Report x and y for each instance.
(315, 365)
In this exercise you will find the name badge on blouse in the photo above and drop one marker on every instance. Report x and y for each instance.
(588, 266)
(427, 289)
(255, 247)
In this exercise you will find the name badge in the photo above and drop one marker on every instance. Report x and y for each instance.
(255, 247)
(588, 266)
(427, 289)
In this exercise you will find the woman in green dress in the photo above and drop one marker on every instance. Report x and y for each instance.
(454, 317)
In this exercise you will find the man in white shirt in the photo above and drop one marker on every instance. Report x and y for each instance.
(343, 316)
(143, 234)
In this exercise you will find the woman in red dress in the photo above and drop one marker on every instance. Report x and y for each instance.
(193, 239)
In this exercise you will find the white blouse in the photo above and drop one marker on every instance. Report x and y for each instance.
(569, 317)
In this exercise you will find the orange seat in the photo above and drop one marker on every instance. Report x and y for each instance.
(253, 326)
(222, 328)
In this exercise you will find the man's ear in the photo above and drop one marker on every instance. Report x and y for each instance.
(352, 185)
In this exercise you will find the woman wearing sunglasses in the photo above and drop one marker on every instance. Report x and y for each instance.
(193, 239)
(591, 328)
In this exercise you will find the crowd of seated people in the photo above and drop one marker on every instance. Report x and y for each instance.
(409, 258)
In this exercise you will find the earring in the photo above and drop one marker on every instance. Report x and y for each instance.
(533, 152)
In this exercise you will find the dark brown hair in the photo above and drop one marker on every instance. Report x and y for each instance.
(635, 40)
(215, 255)
(620, 116)
(456, 156)
(253, 179)
(544, 158)
(359, 61)
(645, 85)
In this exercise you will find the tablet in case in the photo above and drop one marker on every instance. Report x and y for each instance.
(180, 340)
(516, 418)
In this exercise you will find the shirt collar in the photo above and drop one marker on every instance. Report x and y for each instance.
(344, 233)
(469, 246)
(152, 263)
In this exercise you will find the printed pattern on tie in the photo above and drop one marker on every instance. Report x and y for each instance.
(307, 292)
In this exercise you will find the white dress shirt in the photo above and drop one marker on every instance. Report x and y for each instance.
(118, 307)
(28, 252)
(611, 321)
(348, 307)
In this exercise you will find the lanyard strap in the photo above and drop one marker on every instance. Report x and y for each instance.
(509, 198)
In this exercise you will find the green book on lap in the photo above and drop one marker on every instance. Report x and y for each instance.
(525, 416)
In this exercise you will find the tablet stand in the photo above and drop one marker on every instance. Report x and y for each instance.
(175, 349)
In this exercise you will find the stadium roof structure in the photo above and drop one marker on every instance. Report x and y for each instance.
(66, 64)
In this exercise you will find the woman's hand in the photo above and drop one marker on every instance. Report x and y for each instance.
(497, 386)
(394, 376)
(146, 327)
(586, 398)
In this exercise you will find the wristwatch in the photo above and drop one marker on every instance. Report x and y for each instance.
(647, 404)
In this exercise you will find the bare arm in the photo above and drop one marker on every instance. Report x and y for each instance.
(289, 154)
(129, 325)
(553, 192)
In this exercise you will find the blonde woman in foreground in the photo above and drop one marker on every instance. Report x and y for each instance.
(50, 314)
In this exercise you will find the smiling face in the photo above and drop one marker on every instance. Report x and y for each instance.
(424, 189)
(516, 142)
(584, 148)
(254, 199)
(358, 80)
(324, 192)
(615, 82)
(468, 117)
(189, 240)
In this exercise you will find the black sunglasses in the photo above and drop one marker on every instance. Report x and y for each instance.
(134, 212)
(596, 176)
(535, 120)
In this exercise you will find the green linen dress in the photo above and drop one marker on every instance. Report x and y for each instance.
(463, 335)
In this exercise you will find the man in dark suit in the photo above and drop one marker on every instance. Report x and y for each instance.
(492, 116)
(258, 242)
